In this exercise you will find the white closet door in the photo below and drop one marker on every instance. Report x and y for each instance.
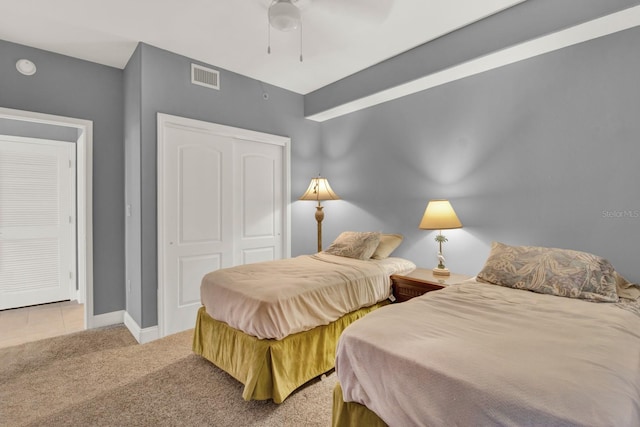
(258, 182)
(37, 227)
(220, 203)
(198, 208)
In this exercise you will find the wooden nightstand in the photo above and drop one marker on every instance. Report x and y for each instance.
(420, 281)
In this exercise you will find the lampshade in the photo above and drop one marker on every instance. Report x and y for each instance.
(319, 189)
(439, 215)
(284, 15)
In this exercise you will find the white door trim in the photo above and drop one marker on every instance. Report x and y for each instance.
(84, 194)
(222, 130)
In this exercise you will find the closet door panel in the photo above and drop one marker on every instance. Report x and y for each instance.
(259, 187)
(197, 211)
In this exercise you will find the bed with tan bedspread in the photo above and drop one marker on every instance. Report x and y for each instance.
(274, 299)
(275, 325)
(485, 354)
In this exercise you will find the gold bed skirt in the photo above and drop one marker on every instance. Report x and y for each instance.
(271, 369)
(352, 414)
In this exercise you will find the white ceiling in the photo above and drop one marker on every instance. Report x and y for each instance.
(340, 37)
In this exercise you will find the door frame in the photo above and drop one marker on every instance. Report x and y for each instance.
(226, 131)
(84, 197)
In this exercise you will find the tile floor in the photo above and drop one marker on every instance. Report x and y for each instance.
(20, 325)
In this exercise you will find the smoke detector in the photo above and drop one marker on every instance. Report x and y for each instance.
(26, 67)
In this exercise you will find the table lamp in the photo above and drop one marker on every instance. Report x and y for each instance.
(319, 189)
(439, 215)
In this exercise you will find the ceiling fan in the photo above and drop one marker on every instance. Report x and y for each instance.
(286, 15)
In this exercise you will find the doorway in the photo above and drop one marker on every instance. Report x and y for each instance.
(83, 130)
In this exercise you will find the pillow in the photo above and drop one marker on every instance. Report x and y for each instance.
(560, 272)
(388, 243)
(625, 289)
(354, 244)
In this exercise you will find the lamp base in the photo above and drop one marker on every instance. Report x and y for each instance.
(441, 271)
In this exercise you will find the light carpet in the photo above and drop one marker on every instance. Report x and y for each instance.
(105, 378)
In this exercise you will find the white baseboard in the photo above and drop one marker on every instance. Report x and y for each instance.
(107, 319)
(142, 335)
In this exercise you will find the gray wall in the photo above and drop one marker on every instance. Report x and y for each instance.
(133, 219)
(541, 152)
(37, 130)
(161, 83)
(73, 88)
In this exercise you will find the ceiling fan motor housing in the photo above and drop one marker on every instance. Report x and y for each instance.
(284, 15)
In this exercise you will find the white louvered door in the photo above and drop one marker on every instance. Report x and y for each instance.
(37, 226)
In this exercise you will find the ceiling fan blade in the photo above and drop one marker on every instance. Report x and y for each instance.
(373, 11)
(365, 11)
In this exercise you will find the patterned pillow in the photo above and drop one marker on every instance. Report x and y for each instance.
(354, 244)
(560, 272)
(388, 243)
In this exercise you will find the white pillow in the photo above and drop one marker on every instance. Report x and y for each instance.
(388, 244)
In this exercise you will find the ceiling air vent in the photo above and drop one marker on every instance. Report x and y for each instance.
(205, 77)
